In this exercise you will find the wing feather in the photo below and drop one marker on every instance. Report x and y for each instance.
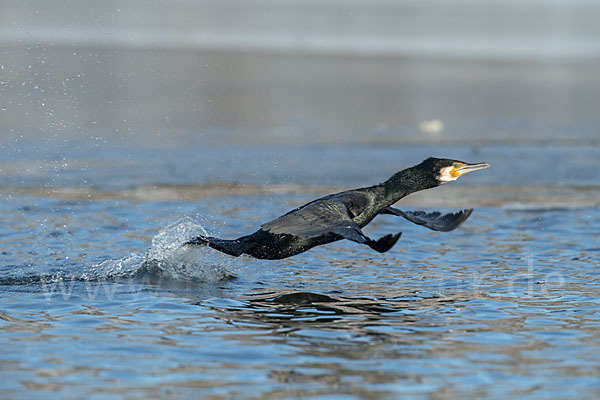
(316, 219)
(433, 220)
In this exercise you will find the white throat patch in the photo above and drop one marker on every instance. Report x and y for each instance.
(445, 175)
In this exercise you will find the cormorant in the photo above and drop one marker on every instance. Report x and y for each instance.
(342, 215)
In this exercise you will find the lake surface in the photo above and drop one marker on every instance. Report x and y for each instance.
(98, 300)
(127, 129)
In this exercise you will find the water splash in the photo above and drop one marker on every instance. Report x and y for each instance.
(126, 267)
(168, 259)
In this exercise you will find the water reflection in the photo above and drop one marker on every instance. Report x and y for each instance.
(414, 339)
(294, 309)
(317, 321)
(356, 343)
(506, 306)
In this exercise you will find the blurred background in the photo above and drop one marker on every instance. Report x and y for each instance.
(81, 80)
(284, 71)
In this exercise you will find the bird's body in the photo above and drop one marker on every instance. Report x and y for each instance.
(342, 215)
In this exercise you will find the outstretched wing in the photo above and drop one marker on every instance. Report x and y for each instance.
(316, 219)
(323, 217)
(433, 220)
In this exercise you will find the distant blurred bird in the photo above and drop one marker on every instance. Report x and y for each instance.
(342, 215)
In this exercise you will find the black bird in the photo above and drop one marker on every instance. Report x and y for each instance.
(342, 215)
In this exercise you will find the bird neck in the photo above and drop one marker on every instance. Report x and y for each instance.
(406, 182)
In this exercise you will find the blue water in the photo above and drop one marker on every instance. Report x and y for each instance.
(98, 299)
(127, 130)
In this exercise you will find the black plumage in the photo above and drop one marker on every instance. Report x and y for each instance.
(342, 215)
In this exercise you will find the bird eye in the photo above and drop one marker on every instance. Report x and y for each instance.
(455, 165)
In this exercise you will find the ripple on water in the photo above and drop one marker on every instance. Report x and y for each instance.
(506, 306)
(167, 258)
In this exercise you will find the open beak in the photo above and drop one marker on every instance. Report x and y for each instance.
(465, 169)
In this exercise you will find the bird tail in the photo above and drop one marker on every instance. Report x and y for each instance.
(233, 247)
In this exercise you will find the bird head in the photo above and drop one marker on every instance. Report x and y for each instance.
(446, 170)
